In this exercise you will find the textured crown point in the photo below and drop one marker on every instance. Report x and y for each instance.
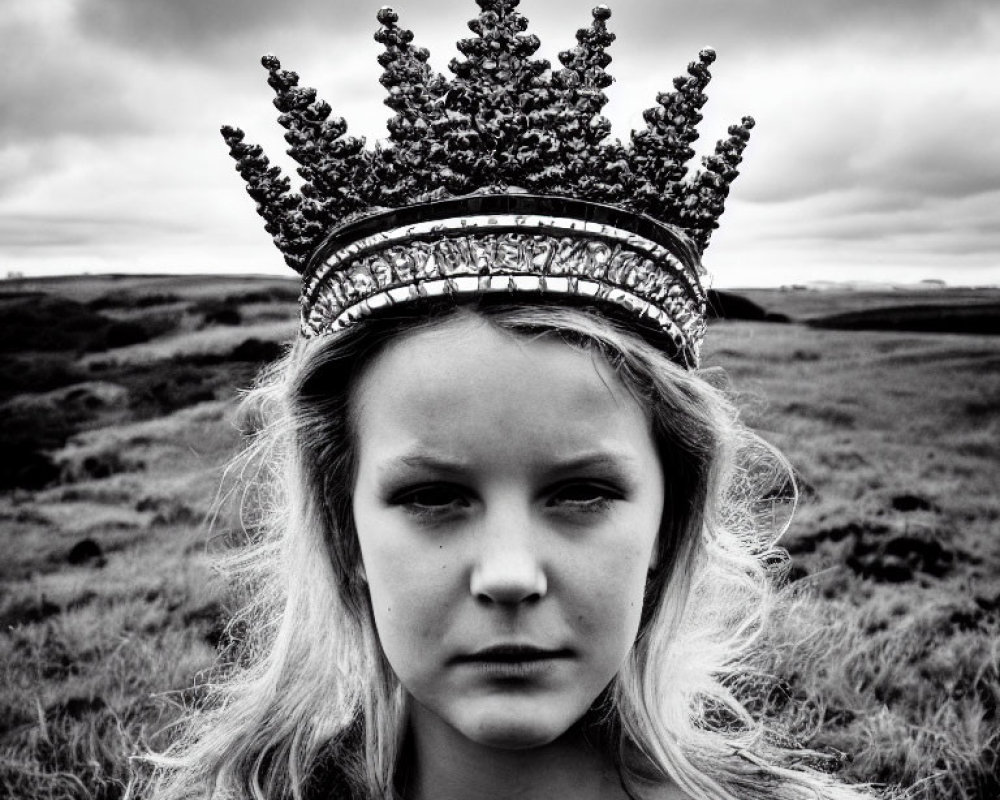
(505, 119)
(749, 122)
(505, 124)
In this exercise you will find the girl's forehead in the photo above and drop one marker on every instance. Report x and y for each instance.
(468, 387)
(466, 361)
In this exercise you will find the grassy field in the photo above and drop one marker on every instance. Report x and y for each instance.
(885, 654)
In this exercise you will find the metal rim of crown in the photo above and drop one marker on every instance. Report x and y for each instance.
(542, 247)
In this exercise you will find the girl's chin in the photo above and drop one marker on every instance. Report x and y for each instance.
(508, 732)
(510, 722)
(513, 737)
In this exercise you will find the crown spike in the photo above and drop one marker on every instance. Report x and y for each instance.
(330, 162)
(584, 65)
(593, 170)
(486, 144)
(414, 93)
(712, 182)
(270, 190)
(500, 53)
(660, 153)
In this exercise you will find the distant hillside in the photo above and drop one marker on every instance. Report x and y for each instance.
(804, 304)
(729, 305)
(937, 318)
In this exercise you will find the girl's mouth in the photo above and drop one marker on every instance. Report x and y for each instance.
(513, 661)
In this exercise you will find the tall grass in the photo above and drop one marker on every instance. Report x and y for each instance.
(907, 695)
(896, 681)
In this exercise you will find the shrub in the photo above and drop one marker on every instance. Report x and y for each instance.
(26, 467)
(42, 372)
(54, 324)
(47, 323)
(219, 312)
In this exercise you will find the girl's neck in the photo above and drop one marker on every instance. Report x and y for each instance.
(447, 766)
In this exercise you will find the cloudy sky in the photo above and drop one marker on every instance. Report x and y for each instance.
(876, 155)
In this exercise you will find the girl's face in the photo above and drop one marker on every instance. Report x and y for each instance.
(507, 503)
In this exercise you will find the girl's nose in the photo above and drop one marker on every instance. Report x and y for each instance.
(507, 570)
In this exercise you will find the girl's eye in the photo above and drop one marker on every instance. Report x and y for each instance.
(431, 499)
(584, 496)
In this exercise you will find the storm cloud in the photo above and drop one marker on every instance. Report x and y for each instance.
(875, 154)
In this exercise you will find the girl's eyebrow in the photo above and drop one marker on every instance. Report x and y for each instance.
(433, 461)
(615, 460)
(601, 459)
(426, 461)
(615, 465)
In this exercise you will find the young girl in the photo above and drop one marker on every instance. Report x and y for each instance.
(512, 544)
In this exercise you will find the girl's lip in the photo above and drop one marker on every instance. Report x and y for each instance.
(511, 654)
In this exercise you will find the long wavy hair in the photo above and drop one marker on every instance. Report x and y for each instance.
(306, 704)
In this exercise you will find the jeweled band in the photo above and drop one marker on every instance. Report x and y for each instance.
(484, 245)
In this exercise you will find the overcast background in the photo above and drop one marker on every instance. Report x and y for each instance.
(876, 155)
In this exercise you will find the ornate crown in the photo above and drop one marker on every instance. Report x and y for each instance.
(499, 180)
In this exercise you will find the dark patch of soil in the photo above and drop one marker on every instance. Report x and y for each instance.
(982, 408)
(39, 372)
(912, 502)
(877, 554)
(167, 511)
(219, 312)
(28, 612)
(29, 433)
(97, 466)
(981, 614)
(85, 551)
(78, 707)
(257, 351)
(835, 417)
(26, 437)
(24, 466)
(46, 323)
(211, 618)
(856, 530)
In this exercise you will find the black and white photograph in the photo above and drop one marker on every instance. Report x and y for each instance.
(488, 399)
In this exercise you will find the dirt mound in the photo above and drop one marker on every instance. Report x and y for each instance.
(883, 553)
(84, 551)
(912, 502)
(34, 425)
(256, 351)
(898, 559)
